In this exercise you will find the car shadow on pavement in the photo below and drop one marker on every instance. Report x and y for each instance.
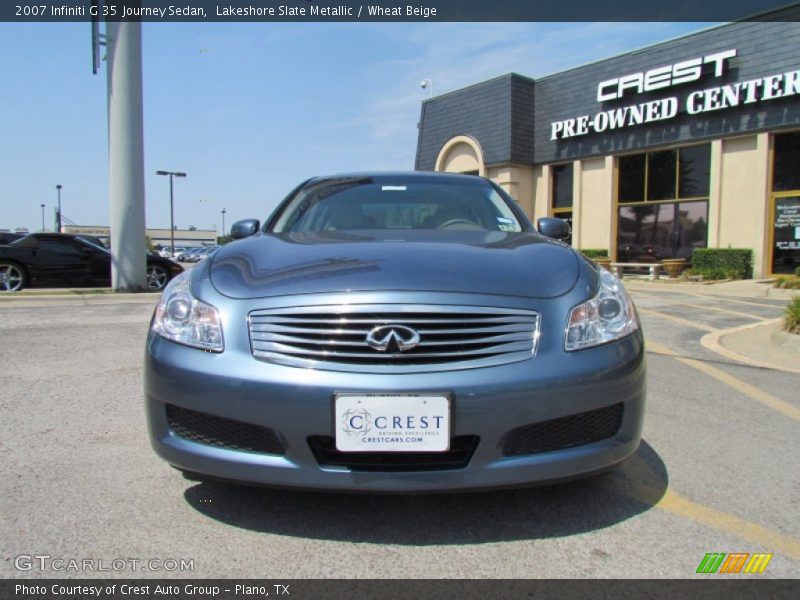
(434, 519)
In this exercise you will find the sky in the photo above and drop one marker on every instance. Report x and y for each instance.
(248, 111)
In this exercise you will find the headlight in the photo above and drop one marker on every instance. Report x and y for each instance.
(606, 317)
(182, 318)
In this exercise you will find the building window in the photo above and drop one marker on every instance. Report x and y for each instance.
(651, 232)
(786, 204)
(631, 178)
(694, 172)
(677, 174)
(561, 194)
(786, 173)
(661, 175)
(663, 199)
(562, 186)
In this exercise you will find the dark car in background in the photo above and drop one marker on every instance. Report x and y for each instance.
(6, 237)
(67, 260)
(395, 332)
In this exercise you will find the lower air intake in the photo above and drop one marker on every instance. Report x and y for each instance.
(565, 432)
(219, 432)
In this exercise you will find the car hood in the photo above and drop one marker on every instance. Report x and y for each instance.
(485, 262)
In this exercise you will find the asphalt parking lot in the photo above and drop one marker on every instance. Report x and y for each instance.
(716, 472)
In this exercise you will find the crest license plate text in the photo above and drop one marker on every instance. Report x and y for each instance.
(399, 423)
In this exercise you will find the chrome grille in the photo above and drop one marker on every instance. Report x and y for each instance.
(451, 337)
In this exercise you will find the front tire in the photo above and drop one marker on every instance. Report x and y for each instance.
(12, 277)
(157, 278)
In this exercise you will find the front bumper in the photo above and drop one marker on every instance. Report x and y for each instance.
(487, 402)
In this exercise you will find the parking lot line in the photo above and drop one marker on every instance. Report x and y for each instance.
(735, 300)
(768, 539)
(743, 387)
(725, 310)
(674, 503)
(637, 294)
(680, 320)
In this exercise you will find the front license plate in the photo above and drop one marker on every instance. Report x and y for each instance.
(398, 423)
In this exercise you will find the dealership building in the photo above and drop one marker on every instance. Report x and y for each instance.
(184, 238)
(689, 143)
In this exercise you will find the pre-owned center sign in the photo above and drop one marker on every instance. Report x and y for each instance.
(700, 101)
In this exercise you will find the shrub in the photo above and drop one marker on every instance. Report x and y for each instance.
(723, 263)
(788, 283)
(791, 320)
(709, 274)
(595, 253)
(797, 272)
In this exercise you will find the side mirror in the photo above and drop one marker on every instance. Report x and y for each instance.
(554, 228)
(245, 228)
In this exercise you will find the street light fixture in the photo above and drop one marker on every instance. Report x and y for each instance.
(171, 208)
(58, 214)
(42, 205)
(223, 222)
(427, 83)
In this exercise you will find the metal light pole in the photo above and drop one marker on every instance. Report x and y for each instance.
(42, 205)
(223, 222)
(58, 214)
(171, 208)
(126, 155)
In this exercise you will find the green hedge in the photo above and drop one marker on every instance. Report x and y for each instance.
(595, 253)
(723, 263)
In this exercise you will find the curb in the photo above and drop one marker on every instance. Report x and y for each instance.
(77, 299)
(712, 341)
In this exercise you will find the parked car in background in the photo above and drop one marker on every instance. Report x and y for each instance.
(69, 260)
(201, 254)
(167, 252)
(194, 255)
(6, 237)
(395, 332)
(187, 252)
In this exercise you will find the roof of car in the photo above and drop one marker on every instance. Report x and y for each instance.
(405, 177)
(57, 234)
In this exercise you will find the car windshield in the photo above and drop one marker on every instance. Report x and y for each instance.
(93, 244)
(362, 203)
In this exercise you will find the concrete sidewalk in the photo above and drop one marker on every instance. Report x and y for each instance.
(745, 288)
(763, 344)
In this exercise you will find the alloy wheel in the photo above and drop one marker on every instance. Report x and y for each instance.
(11, 278)
(157, 278)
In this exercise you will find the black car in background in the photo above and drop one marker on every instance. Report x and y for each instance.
(67, 260)
(6, 237)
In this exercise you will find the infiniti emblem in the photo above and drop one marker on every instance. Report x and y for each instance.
(392, 338)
